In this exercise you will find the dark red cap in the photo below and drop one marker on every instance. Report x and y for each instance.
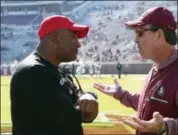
(57, 22)
(158, 16)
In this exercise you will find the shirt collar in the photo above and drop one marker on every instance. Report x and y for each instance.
(44, 59)
(169, 61)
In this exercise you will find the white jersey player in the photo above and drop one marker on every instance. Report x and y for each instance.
(91, 69)
(98, 70)
(81, 69)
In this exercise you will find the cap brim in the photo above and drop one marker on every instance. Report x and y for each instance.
(134, 23)
(81, 30)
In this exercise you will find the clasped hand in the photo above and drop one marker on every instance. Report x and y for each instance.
(88, 105)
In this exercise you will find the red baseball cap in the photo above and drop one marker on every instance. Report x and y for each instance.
(158, 16)
(57, 22)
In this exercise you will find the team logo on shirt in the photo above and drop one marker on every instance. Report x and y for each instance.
(161, 91)
(70, 91)
(62, 81)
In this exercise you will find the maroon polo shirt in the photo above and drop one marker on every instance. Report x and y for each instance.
(159, 93)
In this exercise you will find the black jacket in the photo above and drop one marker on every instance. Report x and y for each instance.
(119, 66)
(41, 101)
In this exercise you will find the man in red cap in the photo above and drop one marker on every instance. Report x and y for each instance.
(44, 99)
(157, 103)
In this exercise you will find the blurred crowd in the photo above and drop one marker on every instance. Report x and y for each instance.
(108, 39)
(8, 68)
(78, 68)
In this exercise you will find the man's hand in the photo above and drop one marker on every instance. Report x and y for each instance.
(88, 105)
(108, 89)
(153, 125)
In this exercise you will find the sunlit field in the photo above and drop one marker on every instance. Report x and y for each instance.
(133, 83)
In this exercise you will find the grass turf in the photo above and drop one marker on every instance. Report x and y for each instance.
(132, 83)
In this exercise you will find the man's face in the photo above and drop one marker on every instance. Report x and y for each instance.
(146, 41)
(67, 45)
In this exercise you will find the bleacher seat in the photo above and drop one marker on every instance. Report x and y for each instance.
(21, 19)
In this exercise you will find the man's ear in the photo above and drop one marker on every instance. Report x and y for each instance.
(53, 39)
(160, 36)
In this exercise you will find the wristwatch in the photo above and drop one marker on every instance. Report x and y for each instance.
(93, 94)
(163, 130)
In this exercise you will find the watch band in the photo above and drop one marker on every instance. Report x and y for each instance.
(93, 94)
(163, 130)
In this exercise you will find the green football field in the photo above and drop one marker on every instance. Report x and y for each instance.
(133, 83)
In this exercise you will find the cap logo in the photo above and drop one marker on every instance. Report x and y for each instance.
(170, 27)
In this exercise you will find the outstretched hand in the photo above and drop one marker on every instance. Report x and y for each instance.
(108, 89)
(153, 125)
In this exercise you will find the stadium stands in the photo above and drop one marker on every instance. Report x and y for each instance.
(108, 39)
(21, 19)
